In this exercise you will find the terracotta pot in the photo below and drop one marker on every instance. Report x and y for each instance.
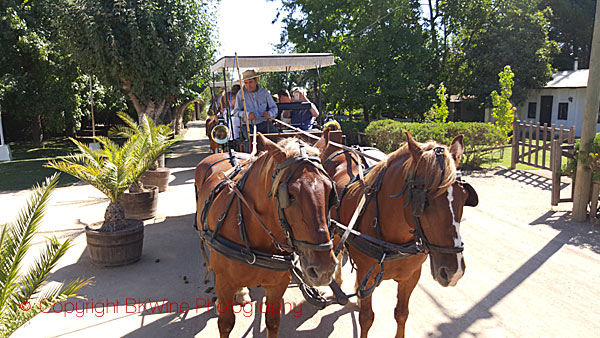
(158, 177)
(141, 205)
(116, 248)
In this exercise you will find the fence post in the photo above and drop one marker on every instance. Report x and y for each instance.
(555, 159)
(515, 145)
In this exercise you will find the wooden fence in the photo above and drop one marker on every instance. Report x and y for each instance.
(532, 143)
(558, 151)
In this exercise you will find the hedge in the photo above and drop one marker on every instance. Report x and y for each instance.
(351, 130)
(388, 135)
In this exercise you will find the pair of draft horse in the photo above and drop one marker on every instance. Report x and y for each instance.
(259, 214)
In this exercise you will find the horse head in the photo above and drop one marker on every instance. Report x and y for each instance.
(435, 198)
(302, 194)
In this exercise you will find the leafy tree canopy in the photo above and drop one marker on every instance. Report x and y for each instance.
(154, 50)
(380, 48)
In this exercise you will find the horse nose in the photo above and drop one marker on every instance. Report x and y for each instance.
(317, 276)
(443, 276)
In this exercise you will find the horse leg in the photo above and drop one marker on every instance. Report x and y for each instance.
(405, 289)
(338, 272)
(224, 307)
(274, 296)
(366, 316)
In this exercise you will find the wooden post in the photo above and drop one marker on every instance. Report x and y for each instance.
(537, 144)
(588, 127)
(515, 144)
(530, 139)
(555, 159)
(545, 141)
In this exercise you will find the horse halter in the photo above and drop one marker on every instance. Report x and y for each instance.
(417, 199)
(284, 198)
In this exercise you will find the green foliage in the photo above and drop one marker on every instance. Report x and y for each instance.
(382, 61)
(484, 36)
(439, 113)
(157, 51)
(20, 290)
(575, 40)
(388, 135)
(351, 130)
(590, 159)
(114, 168)
(503, 111)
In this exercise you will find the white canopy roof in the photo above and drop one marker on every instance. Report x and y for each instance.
(221, 84)
(276, 63)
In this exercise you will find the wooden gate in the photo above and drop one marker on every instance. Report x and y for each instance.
(532, 143)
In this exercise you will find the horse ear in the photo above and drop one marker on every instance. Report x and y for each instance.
(457, 148)
(323, 142)
(272, 148)
(413, 147)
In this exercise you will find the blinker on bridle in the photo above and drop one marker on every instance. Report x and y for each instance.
(417, 199)
(284, 199)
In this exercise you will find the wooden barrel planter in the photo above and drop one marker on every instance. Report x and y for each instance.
(158, 177)
(116, 248)
(141, 205)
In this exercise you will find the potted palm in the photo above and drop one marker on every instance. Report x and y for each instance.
(112, 170)
(158, 136)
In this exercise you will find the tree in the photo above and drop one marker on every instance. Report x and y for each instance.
(503, 111)
(156, 51)
(571, 26)
(382, 61)
(36, 90)
(490, 34)
(22, 295)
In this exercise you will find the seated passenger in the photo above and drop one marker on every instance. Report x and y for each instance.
(303, 119)
(283, 96)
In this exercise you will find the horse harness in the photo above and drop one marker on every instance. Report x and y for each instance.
(245, 254)
(383, 251)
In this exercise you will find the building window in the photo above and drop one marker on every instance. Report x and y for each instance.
(531, 110)
(563, 109)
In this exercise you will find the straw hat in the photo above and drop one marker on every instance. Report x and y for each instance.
(250, 74)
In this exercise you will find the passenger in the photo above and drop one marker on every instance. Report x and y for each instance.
(284, 97)
(260, 105)
(303, 119)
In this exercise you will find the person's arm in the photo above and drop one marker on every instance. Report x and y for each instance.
(271, 106)
(238, 109)
(313, 110)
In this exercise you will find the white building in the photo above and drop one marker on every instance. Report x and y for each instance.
(560, 102)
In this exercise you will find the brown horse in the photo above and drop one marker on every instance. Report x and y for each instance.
(415, 200)
(293, 219)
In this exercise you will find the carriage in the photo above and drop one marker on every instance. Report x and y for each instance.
(265, 217)
(271, 64)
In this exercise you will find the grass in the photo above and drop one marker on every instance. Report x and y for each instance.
(27, 166)
(503, 158)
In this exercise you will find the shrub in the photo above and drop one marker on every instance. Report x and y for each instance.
(591, 159)
(388, 135)
(351, 130)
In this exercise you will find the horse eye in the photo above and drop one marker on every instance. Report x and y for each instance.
(291, 198)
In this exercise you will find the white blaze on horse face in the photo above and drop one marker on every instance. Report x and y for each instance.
(314, 184)
(457, 240)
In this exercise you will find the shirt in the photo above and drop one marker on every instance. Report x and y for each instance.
(302, 119)
(258, 102)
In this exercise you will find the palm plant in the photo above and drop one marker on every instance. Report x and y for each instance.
(22, 296)
(158, 135)
(112, 170)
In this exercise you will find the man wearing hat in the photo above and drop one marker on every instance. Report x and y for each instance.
(259, 104)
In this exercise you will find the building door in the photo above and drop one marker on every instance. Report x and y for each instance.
(546, 110)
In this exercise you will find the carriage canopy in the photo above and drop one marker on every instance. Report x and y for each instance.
(276, 63)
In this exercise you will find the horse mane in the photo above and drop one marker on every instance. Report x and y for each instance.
(427, 167)
(290, 148)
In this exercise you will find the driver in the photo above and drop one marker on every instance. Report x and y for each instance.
(259, 104)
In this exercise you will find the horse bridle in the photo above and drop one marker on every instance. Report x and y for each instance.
(417, 199)
(284, 198)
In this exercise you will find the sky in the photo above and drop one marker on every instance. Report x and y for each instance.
(245, 27)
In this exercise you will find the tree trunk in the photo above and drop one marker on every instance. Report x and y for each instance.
(112, 217)
(179, 113)
(37, 131)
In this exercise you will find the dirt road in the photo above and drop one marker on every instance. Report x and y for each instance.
(530, 271)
